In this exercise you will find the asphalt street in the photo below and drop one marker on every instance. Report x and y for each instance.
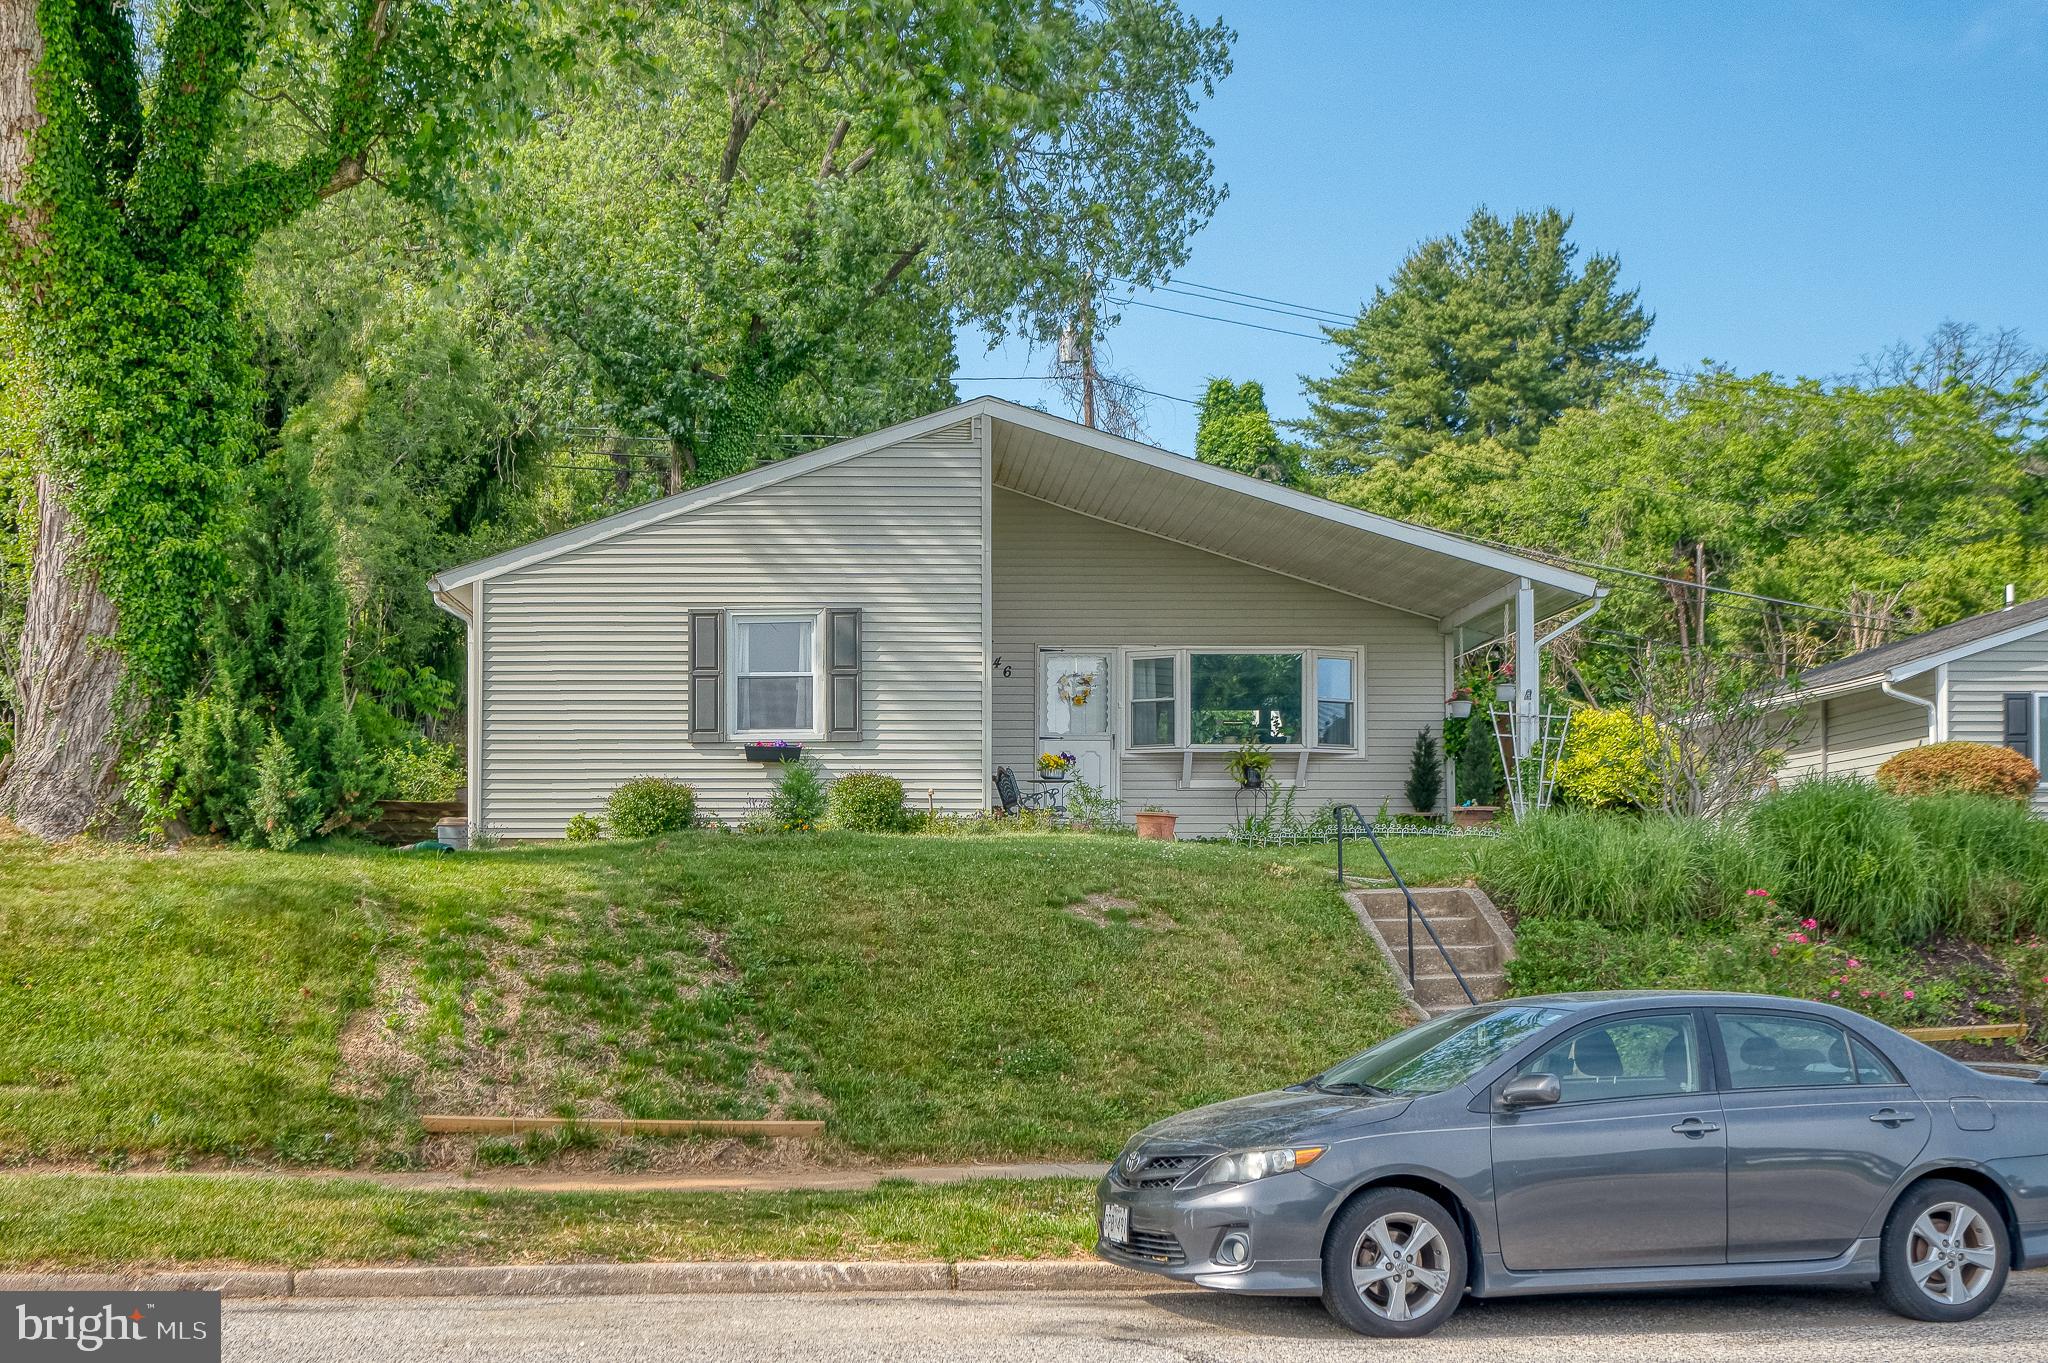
(939, 1327)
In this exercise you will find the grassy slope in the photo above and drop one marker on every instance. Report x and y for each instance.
(930, 996)
(71, 1223)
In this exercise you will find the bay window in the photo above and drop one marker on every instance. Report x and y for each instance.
(1335, 704)
(1235, 698)
(1155, 722)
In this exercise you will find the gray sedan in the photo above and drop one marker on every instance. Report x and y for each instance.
(1595, 1142)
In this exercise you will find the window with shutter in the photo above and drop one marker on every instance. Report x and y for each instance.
(707, 687)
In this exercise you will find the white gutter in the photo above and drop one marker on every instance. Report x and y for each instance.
(447, 602)
(1885, 685)
(1599, 600)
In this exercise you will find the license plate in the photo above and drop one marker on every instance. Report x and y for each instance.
(1116, 1224)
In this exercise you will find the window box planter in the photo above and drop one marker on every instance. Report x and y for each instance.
(774, 752)
(1156, 827)
(1474, 816)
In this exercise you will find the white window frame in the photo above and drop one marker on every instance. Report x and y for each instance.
(1183, 694)
(815, 618)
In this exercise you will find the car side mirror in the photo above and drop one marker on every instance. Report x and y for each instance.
(1531, 1090)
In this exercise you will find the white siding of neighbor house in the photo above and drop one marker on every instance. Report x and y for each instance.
(1863, 729)
(1977, 687)
(584, 658)
(1065, 580)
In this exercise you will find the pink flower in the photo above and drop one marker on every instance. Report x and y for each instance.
(1809, 923)
(1866, 993)
(1798, 937)
(2044, 978)
(1834, 993)
(1855, 964)
(1758, 894)
(1908, 994)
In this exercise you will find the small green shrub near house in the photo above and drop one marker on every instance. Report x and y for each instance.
(583, 828)
(1959, 769)
(1607, 760)
(866, 802)
(800, 800)
(422, 770)
(649, 805)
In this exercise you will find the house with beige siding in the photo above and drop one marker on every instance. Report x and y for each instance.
(1980, 680)
(960, 593)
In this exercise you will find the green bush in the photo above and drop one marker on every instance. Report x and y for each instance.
(866, 802)
(1986, 860)
(1606, 761)
(1848, 856)
(582, 828)
(1654, 870)
(798, 804)
(649, 805)
(424, 770)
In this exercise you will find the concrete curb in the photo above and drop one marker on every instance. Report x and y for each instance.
(593, 1280)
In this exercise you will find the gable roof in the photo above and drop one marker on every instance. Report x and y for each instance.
(1155, 492)
(1903, 658)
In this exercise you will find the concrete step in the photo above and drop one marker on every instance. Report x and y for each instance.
(1441, 991)
(1468, 928)
(1470, 956)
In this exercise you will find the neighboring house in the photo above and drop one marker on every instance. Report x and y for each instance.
(963, 592)
(1984, 679)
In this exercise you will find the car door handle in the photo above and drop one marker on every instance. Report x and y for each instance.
(1888, 1117)
(1693, 1126)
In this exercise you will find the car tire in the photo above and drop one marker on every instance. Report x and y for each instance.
(1394, 1264)
(1929, 1273)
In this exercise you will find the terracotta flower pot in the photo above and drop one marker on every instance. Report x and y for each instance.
(1157, 827)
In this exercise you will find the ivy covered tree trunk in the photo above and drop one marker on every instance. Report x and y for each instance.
(60, 774)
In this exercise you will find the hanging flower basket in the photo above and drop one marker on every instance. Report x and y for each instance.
(779, 750)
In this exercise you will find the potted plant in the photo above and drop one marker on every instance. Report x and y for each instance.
(1156, 824)
(774, 750)
(1055, 766)
(1459, 706)
(1249, 764)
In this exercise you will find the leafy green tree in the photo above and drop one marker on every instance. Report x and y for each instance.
(764, 215)
(1479, 339)
(134, 181)
(1236, 432)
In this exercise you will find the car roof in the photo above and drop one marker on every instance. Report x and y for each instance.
(1594, 998)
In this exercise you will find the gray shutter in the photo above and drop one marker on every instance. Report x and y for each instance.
(2019, 723)
(707, 675)
(842, 675)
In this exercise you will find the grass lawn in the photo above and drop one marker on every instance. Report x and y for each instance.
(928, 996)
(52, 1222)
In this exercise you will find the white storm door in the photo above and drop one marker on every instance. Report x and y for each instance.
(1077, 711)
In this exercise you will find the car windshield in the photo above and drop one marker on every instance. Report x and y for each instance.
(1438, 1055)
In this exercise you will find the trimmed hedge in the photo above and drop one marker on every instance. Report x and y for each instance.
(649, 805)
(866, 802)
(1960, 769)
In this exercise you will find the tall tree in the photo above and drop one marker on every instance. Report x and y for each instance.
(1235, 431)
(1480, 338)
(788, 190)
(134, 184)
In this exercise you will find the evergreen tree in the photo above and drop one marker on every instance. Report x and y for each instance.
(1482, 337)
(1236, 432)
(1425, 774)
(1478, 768)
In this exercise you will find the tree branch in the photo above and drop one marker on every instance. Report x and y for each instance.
(203, 59)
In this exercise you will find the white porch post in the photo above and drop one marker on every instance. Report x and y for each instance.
(1528, 669)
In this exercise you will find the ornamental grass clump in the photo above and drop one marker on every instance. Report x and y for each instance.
(1650, 871)
(1849, 857)
(1986, 860)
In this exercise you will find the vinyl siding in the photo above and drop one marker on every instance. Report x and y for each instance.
(1066, 580)
(1976, 693)
(584, 657)
(1863, 729)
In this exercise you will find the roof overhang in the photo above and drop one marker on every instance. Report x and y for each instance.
(1460, 583)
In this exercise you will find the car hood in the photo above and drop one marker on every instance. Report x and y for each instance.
(1280, 1117)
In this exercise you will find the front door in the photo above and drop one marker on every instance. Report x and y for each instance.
(1629, 1168)
(1077, 712)
(1820, 1128)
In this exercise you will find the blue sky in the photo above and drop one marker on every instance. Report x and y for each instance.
(1791, 186)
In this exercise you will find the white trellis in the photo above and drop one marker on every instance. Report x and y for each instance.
(1529, 791)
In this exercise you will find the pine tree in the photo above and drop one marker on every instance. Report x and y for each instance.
(1478, 768)
(1236, 432)
(1425, 774)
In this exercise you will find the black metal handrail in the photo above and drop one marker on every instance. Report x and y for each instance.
(1414, 909)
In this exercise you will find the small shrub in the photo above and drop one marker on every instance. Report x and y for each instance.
(799, 802)
(1960, 769)
(1478, 766)
(1848, 857)
(583, 828)
(278, 811)
(423, 770)
(1607, 761)
(866, 802)
(1425, 774)
(649, 805)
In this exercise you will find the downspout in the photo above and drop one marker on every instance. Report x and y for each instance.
(1885, 685)
(1599, 600)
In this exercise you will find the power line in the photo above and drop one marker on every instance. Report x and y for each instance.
(1212, 317)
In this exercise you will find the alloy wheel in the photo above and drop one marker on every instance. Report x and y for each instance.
(1952, 1253)
(1401, 1266)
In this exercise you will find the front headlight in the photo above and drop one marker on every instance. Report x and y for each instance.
(1247, 1165)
